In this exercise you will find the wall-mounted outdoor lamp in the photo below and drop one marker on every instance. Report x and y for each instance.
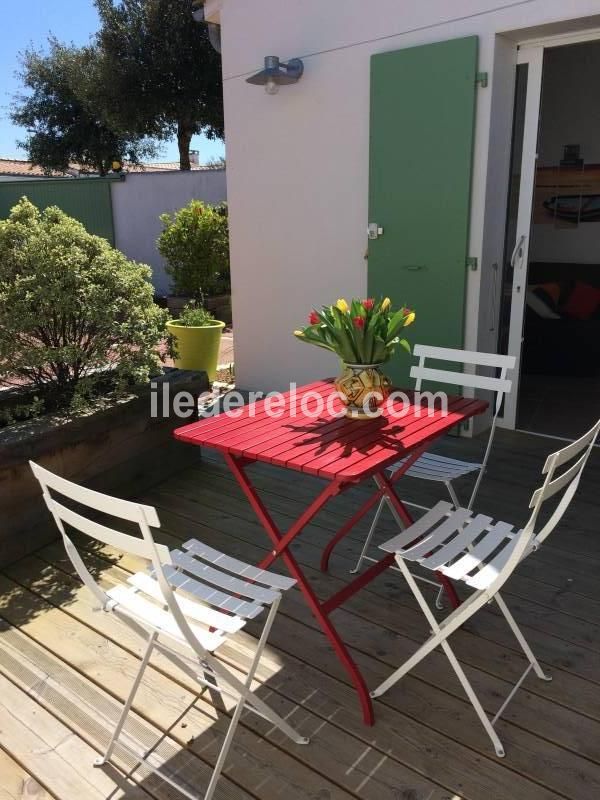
(214, 30)
(276, 74)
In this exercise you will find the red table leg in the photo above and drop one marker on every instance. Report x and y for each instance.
(386, 488)
(375, 498)
(281, 544)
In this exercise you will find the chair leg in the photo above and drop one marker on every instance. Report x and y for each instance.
(470, 692)
(248, 698)
(363, 553)
(521, 639)
(127, 707)
(242, 689)
(452, 493)
(225, 749)
(438, 637)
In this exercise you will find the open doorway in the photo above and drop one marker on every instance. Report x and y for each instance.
(559, 387)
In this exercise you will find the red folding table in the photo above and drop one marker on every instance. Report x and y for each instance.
(342, 451)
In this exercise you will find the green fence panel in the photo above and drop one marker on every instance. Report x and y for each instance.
(86, 199)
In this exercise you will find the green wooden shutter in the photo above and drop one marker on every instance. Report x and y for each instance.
(422, 127)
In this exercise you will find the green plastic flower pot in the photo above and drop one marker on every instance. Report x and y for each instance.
(197, 347)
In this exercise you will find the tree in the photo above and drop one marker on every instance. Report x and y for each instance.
(165, 74)
(65, 112)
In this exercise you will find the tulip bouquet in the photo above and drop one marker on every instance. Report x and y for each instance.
(362, 332)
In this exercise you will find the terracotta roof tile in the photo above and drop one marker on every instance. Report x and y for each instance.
(25, 169)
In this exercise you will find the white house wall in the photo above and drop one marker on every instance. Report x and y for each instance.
(298, 161)
(141, 198)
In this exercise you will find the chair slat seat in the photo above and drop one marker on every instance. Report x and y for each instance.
(240, 568)
(445, 536)
(433, 467)
(494, 537)
(456, 546)
(132, 601)
(194, 610)
(223, 580)
(418, 529)
(211, 595)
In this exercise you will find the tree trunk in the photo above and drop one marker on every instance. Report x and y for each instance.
(184, 140)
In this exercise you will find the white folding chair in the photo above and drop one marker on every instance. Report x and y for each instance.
(483, 554)
(196, 597)
(441, 469)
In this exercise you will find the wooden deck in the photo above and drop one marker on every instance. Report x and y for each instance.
(65, 666)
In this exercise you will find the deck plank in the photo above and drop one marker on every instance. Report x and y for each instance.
(52, 754)
(426, 744)
(162, 702)
(551, 566)
(318, 756)
(522, 745)
(17, 784)
(582, 662)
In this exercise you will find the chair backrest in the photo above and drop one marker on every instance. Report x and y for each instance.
(574, 458)
(499, 384)
(528, 540)
(145, 547)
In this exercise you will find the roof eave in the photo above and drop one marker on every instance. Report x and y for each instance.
(212, 11)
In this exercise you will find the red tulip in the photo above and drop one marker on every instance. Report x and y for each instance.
(368, 304)
(359, 322)
(313, 318)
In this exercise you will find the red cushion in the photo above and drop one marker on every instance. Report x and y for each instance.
(583, 302)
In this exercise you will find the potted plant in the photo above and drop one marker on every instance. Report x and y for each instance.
(195, 245)
(364, 334)
(196, 339)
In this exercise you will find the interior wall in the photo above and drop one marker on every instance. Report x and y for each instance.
(570, 114)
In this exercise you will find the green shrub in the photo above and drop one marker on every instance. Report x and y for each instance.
(194, 316)
(75, 314)
(195, 244)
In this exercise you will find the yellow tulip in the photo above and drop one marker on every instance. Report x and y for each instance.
(342, 305)
(410, 319)
(386, 304)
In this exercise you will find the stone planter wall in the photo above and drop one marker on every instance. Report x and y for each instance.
(120, 449)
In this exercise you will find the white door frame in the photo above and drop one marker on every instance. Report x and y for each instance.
(531, 53)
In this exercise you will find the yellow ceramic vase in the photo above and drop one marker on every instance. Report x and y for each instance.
(363, 389)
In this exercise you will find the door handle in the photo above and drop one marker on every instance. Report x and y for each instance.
(413, 267)
(518, 251)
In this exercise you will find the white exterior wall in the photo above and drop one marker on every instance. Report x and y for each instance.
(141, 198)
(298, 161)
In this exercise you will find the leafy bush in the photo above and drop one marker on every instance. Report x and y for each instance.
(194, 316)
(195, 245)
(74, 312)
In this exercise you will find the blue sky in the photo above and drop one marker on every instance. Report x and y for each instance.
(29, 22)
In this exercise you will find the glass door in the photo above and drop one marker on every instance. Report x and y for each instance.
(520, 207)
